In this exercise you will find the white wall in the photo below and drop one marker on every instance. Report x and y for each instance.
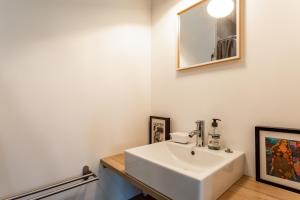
(74, 87)
(260, 89)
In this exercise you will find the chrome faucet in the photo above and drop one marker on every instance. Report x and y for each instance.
(199, 132)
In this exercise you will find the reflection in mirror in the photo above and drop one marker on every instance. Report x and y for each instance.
(204, 39)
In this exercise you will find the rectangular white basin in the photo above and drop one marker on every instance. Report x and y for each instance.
(171, 169)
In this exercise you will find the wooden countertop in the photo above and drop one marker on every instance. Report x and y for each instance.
(245, 189)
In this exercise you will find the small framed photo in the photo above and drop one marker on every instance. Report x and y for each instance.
(159, 129)
(278, 157)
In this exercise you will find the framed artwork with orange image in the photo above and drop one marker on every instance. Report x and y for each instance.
(278, 157)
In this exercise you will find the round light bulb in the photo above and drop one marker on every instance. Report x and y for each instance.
(220, 8)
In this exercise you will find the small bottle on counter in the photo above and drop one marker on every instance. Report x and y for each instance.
(214, 136)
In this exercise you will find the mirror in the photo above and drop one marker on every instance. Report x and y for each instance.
(208, 33)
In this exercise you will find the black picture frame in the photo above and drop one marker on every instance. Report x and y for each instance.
(165, 129)
(258, 129)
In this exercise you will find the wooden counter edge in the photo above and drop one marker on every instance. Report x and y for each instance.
(116, 164)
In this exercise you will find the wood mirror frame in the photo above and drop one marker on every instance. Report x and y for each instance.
(238, 37)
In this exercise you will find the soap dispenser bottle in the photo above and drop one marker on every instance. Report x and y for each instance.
(214, 136)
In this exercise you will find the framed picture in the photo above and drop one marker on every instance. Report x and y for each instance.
(278, 157)
(159, 129)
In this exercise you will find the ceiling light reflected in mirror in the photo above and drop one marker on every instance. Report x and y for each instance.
(220, 8)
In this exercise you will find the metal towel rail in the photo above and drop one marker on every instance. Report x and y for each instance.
(86, 177)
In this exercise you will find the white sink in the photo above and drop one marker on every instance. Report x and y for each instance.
(171, 169)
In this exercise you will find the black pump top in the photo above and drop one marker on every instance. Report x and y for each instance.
(215, 122)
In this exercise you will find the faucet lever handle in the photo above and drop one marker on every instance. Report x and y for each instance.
(199, 124)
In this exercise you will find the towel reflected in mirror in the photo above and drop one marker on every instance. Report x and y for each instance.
(226, 48)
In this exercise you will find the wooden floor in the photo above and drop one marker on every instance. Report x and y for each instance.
(245, 189)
